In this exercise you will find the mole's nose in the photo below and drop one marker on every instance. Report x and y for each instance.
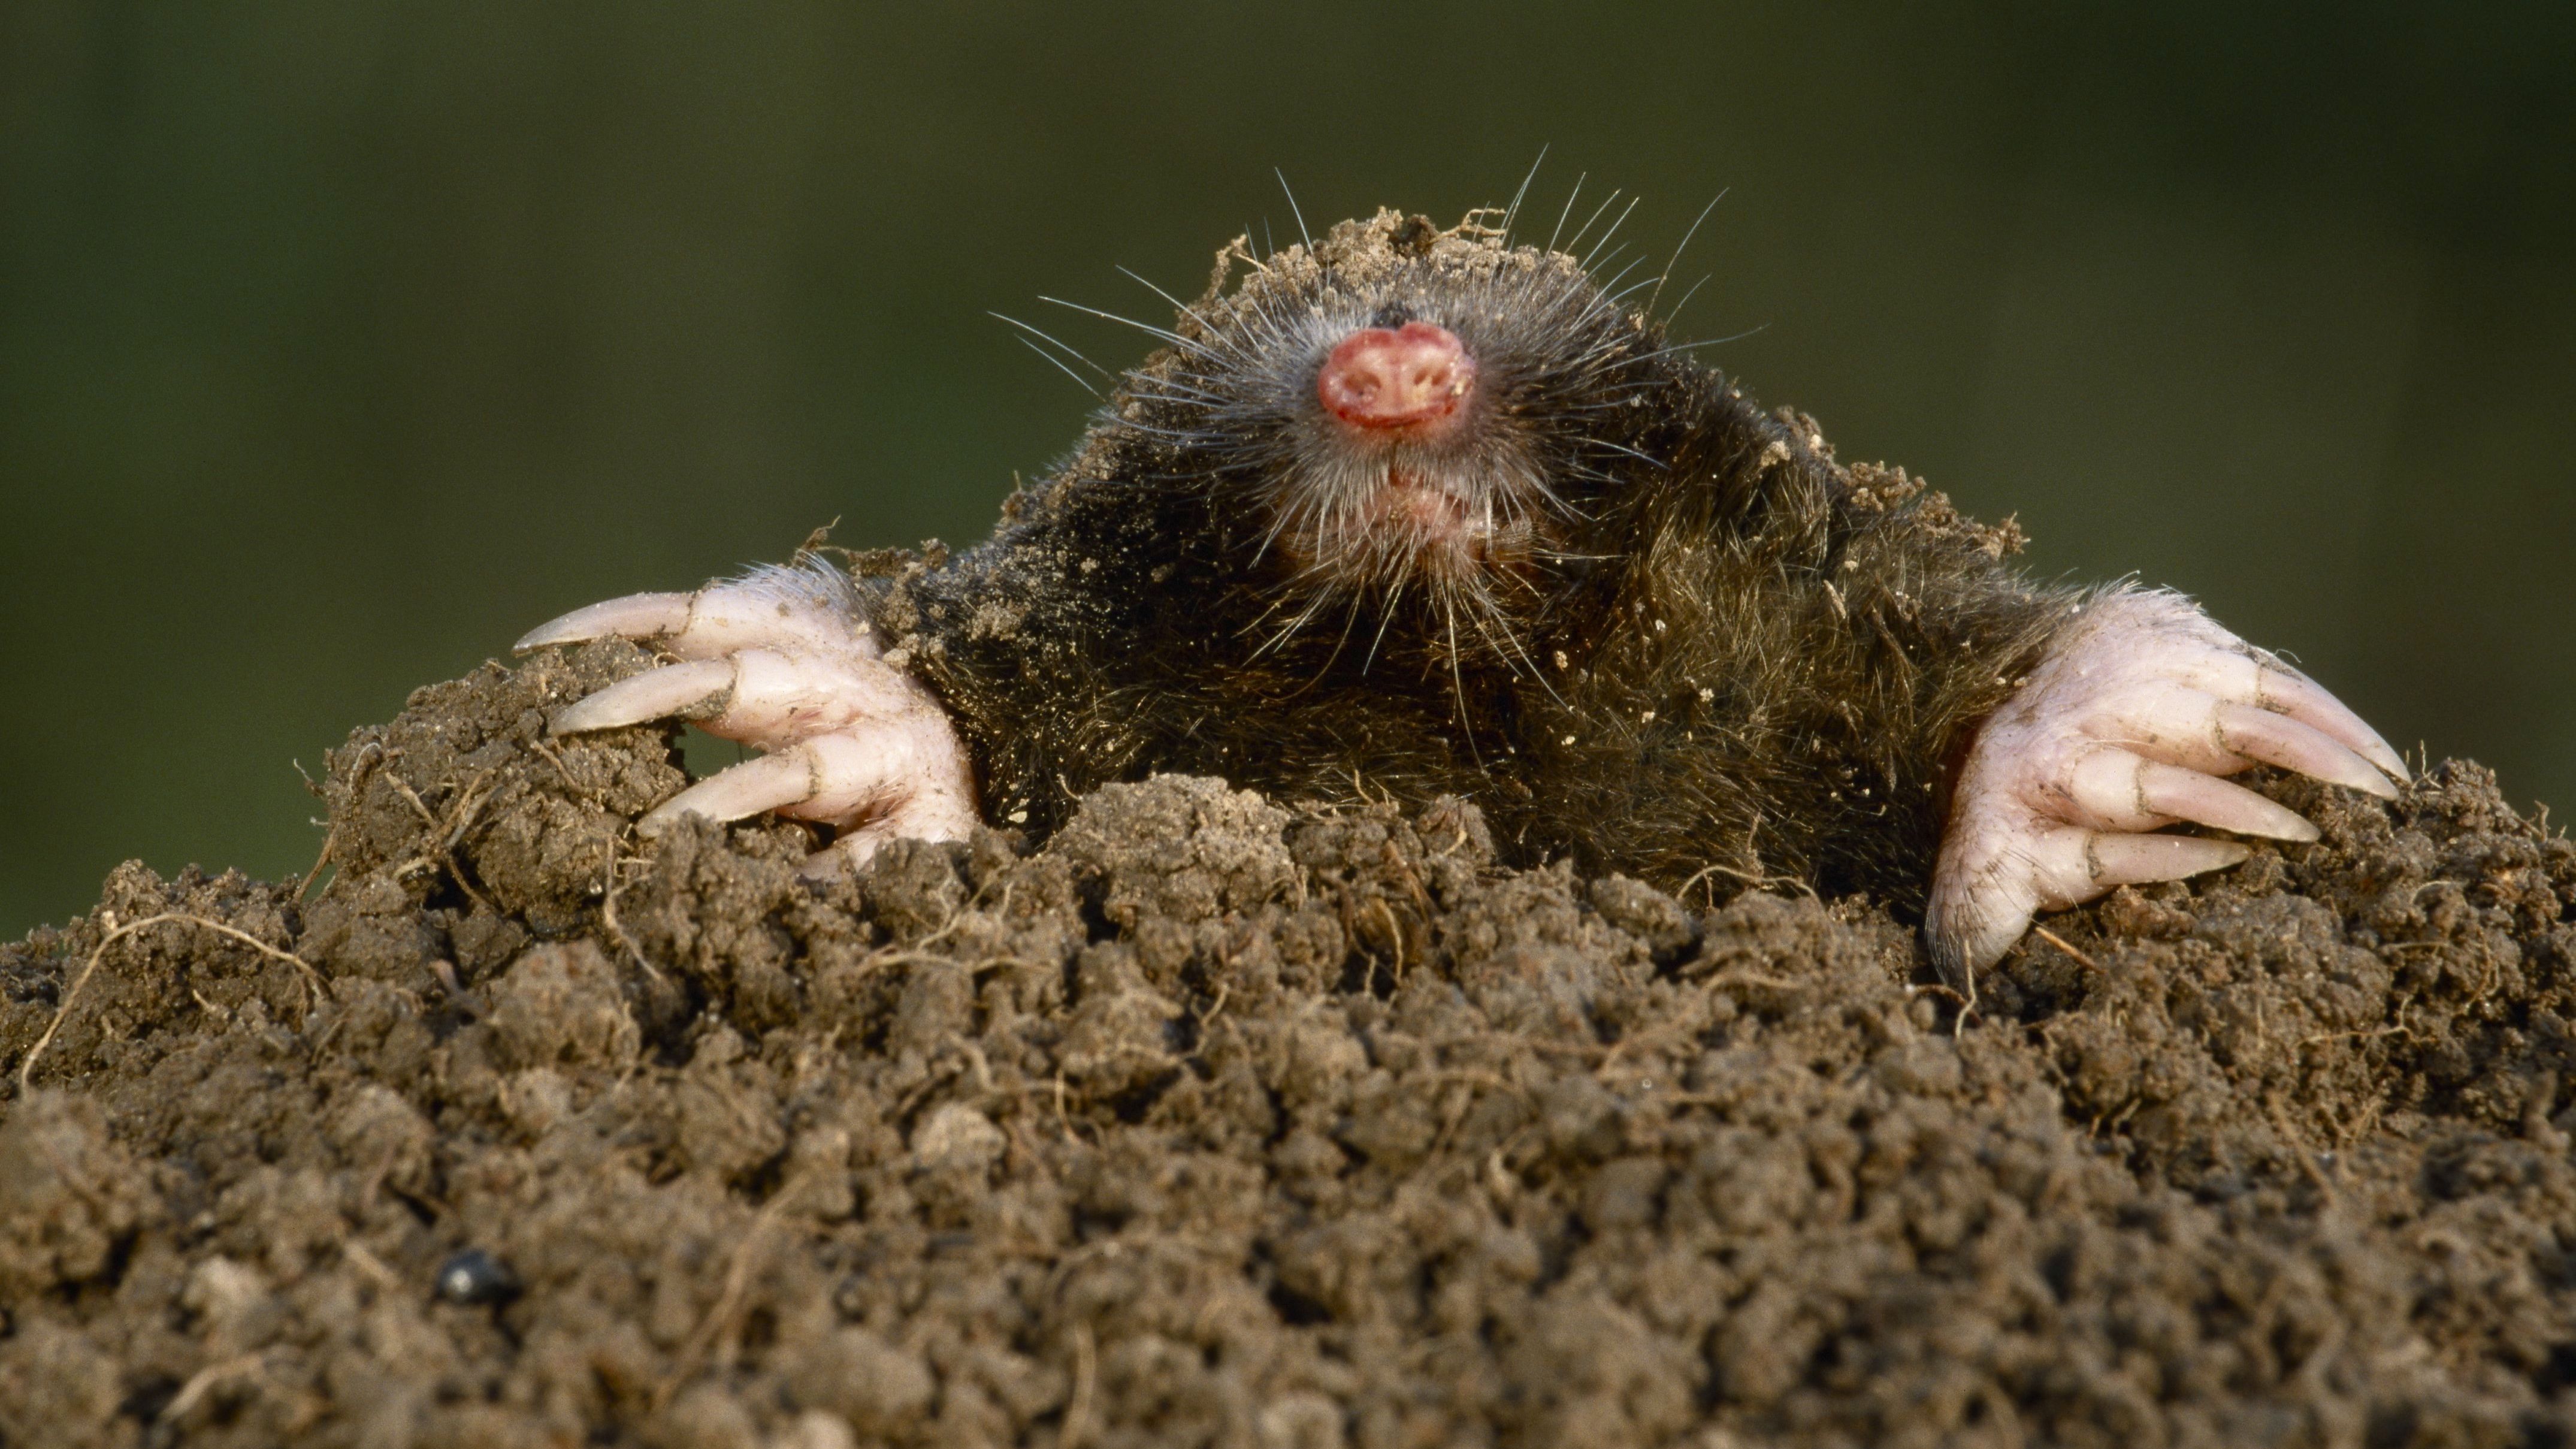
(1412, 376)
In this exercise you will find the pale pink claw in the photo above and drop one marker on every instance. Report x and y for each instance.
(2275, 739)
(2123, 729)
(781, 659)
(2233, 669)
(636, 616)
(768, 783)
(2117, 790)
(2070, 865)
(673, 690)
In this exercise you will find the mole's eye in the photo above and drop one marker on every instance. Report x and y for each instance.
(1392, 316)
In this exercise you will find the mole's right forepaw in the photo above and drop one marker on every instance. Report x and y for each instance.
(781, 659)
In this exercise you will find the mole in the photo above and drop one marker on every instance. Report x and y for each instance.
(1410, 512)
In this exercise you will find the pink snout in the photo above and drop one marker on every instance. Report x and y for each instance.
(1393, 378)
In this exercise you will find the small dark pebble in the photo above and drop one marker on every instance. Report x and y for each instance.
(149, 1396)
(474, 1277)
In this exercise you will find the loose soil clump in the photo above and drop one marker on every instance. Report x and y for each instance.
(1213, 1122)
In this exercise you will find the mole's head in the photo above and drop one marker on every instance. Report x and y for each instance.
(1402, 413)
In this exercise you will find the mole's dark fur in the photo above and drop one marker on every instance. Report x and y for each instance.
(1690, 637)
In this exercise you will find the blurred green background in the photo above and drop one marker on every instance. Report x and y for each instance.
(341, 342)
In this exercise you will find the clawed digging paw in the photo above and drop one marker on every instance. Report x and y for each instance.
(781, 659)
(2125, 728)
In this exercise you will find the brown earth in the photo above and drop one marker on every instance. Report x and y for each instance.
(1213, 1123)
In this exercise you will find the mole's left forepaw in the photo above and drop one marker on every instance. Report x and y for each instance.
(2124, 728)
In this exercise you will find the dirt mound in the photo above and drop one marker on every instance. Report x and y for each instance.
(1212, 1123)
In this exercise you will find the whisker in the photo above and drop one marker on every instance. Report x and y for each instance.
(1507, 641)
(1149, 329)
(1514, 210)
(1277, 603)
(1177, 435)
(1058, 342)
(1058, 364)
(1567, 506)
(1350, 617)
(1657, 463)
(1169, 389)
(1278, 525)
(1685, 242)
(1458, 684)
(1688, 346)
(1569, 209)
(1385, 617)
(1607, 202)
(1293, 209)
(1675, 315)
(1616, 277)
(1296, 626)
(1613, 231)
(1187, 311)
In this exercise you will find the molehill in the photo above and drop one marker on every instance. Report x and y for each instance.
(1216, 1123)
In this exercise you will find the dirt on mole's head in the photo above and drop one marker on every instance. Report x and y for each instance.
(1216, 1123)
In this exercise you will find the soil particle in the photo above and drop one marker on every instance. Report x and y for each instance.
(68, 1194)
(1215, 1122)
